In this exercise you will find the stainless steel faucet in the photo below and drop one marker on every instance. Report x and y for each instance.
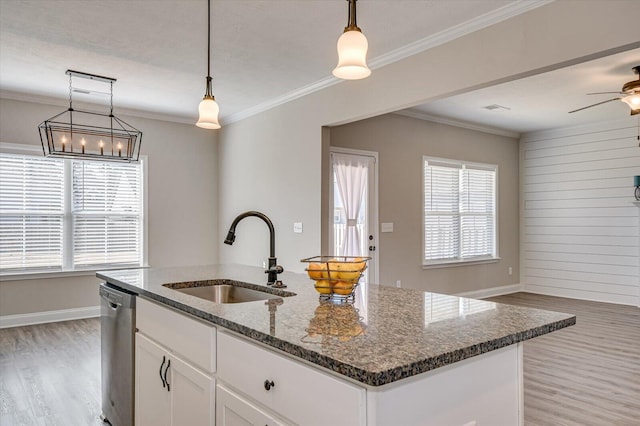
(273, 269)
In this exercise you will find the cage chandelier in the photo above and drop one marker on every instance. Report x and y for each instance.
(82, 134)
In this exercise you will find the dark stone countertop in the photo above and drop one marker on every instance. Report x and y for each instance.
(388, 334)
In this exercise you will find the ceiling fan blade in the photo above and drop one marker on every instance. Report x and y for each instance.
(599, 103)
(605, 93)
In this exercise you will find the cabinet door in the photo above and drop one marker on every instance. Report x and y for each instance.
(153, 402)
(233, 410)
(192, 395)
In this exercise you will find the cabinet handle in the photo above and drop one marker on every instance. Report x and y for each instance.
(268, 384)
(162, 365)
(165, 375)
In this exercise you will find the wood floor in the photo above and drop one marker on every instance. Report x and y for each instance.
(585, 375)
(50, 374)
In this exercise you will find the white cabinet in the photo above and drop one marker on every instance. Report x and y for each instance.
(153, 401)
(169, 391)
(289, 389)
(175, 363)
(233, 410)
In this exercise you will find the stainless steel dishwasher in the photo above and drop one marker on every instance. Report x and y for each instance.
(117, 330)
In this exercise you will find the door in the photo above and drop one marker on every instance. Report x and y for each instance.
(233, 410)
(353, 206)
(169, 391)
(192, 395)
(153, 401)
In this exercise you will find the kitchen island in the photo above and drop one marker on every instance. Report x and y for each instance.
(404, 356)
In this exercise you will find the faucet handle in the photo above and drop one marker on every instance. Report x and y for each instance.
(275, 268)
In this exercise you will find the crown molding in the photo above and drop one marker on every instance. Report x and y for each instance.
(483, 21)
(283, 99)
(53, 101)
(451, 122)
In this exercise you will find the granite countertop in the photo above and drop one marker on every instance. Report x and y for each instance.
(390, 333)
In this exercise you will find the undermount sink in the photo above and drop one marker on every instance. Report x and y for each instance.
(227, 291)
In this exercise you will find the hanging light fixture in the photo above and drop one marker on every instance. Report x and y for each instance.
(90, 135)
(208, 108)
(632, 91)
(352, 50)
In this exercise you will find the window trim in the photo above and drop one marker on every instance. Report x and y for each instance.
(67, 260)
(447, 263)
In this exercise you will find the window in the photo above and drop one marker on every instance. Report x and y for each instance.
(459, 211)
(67, 215)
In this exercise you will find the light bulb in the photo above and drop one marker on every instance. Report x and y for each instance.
(352, 56)
(208, 110)
(632, 100)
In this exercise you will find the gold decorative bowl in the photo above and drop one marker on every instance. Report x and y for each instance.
(336, 277)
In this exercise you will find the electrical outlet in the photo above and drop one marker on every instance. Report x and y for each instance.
(297, 227)
(399, 284)
(510, 270)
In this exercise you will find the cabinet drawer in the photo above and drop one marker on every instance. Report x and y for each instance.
(193, 340)
(300, 392)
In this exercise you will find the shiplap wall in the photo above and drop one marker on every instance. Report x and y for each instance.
(580, 230)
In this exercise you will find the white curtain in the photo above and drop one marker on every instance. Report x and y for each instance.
(351, 179)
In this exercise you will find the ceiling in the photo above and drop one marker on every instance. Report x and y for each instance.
(263, 51)
(544, 100)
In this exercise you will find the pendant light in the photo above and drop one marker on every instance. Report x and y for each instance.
(352, 50)
(90, 135)
(208, 109)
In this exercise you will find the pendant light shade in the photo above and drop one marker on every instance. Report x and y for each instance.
(352, 50)
(352, 56)
(208, 109)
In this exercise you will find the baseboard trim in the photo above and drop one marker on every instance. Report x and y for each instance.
(491, 292)
(20, 320)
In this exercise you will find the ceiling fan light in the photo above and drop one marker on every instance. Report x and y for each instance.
(632, 100)
(208, 110)
(352, 56)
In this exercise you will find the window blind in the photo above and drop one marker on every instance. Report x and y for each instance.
(459, 211)
(65, 215)
(477, 210)
(107, 213)
(441, 220)
(31, 212)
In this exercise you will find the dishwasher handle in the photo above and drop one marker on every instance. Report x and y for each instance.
(117, 297)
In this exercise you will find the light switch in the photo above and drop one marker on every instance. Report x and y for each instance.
(387, 227)
(297, 227)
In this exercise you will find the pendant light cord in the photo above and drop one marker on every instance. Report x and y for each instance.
(209, 38)
(352, 24)
(208, 94)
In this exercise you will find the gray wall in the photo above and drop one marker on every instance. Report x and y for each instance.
(182, 197)
(400, 143)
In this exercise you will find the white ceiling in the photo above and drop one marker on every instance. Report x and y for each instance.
(263, 51)
(544, 100)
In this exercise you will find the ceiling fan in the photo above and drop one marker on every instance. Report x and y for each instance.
(630, 95)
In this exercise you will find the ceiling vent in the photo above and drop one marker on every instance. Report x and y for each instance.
(496, 107)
